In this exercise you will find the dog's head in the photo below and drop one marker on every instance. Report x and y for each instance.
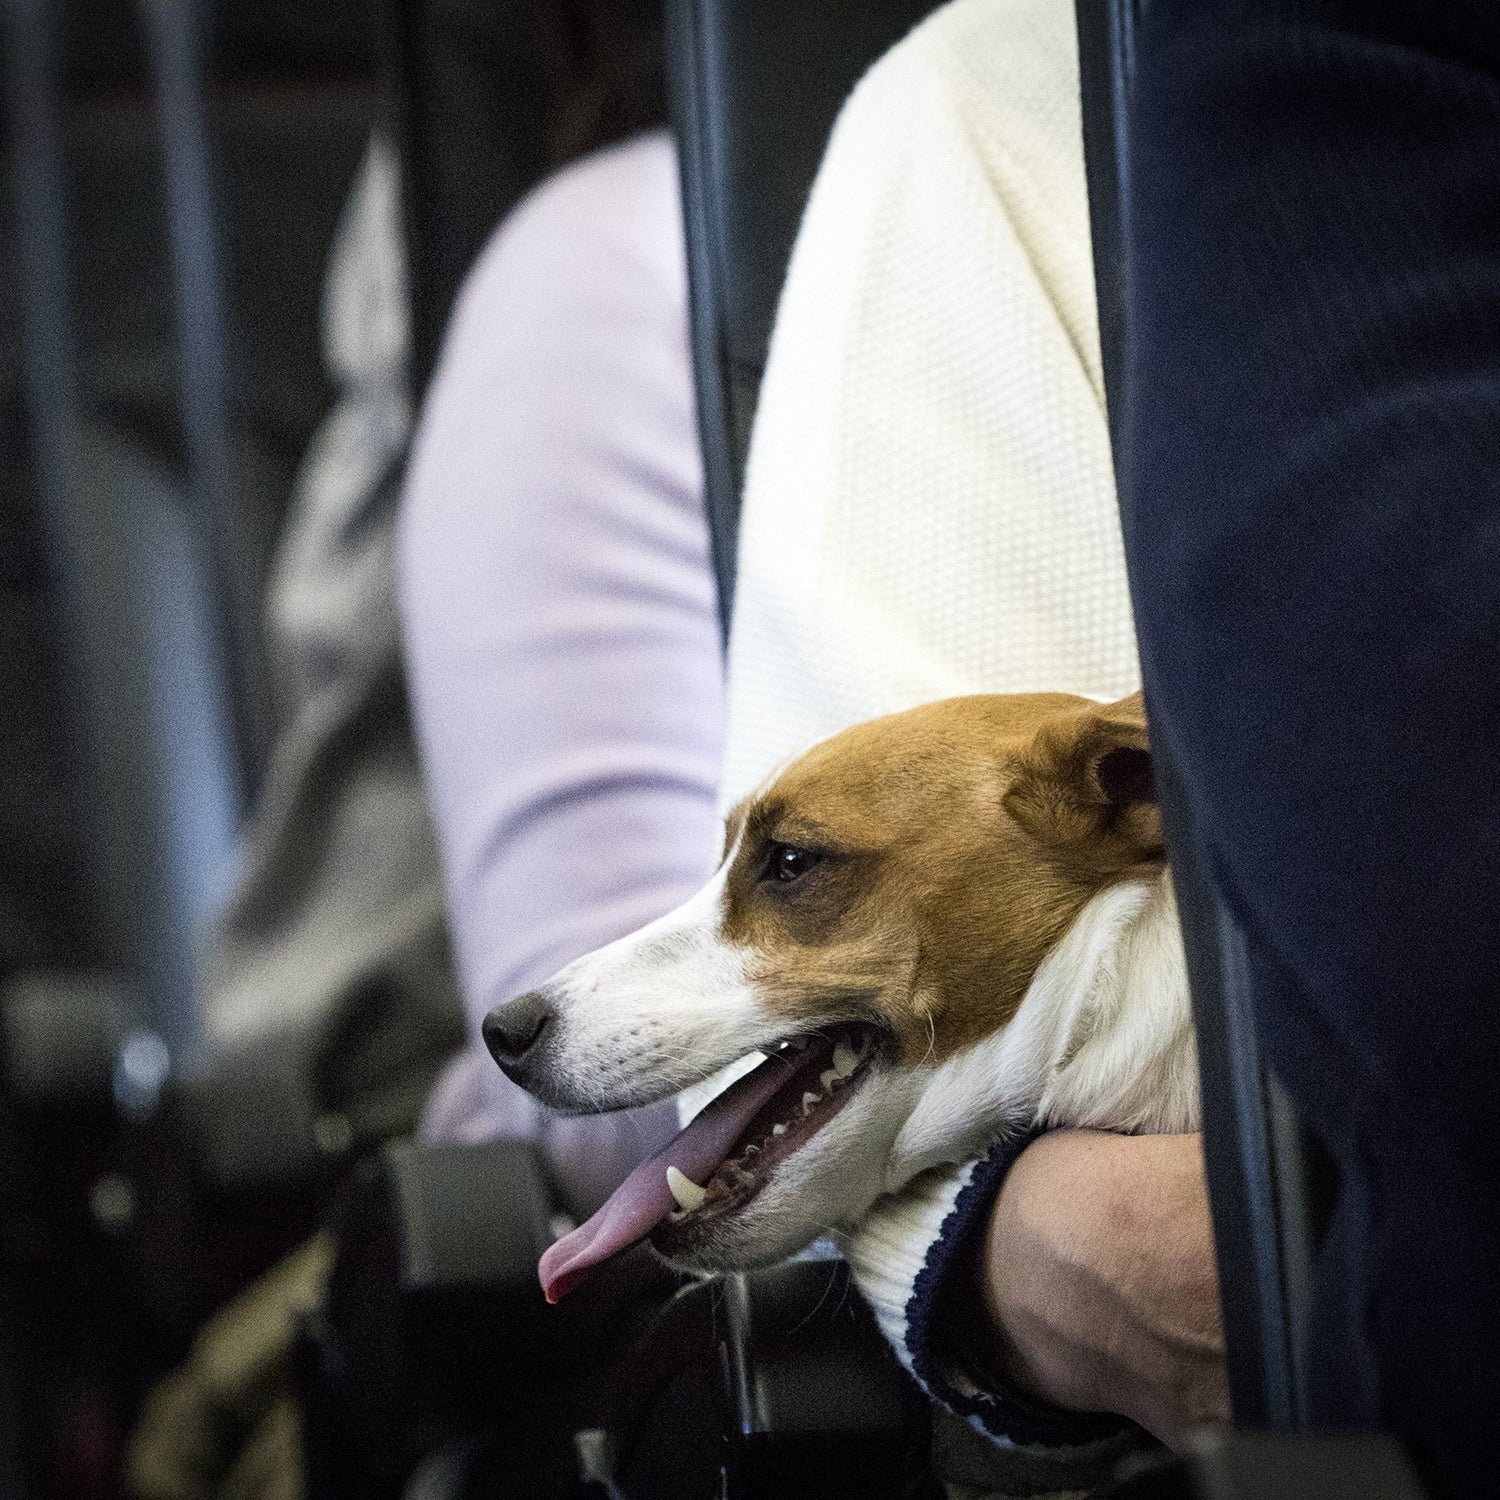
(883, 905)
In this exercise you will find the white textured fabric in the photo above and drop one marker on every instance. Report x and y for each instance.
(930, 505)
(891, 1244)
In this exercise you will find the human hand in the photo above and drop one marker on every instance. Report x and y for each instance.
(1097, 1271)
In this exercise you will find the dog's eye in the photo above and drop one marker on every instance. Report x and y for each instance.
(786, 863)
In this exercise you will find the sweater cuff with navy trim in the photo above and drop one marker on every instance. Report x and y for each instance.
(907, 1257)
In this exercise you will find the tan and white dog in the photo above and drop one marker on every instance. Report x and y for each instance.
(936, 926)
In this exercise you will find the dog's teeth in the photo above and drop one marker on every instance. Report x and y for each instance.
(752, 1151)
(809, 1099)
(828, 1077)
(687, 1192)
(778, 1130)
(844, 1061)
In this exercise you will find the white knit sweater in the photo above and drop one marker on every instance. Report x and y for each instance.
(930, 506)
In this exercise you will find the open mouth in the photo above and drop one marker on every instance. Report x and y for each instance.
(723, 1158)
(822, 1073)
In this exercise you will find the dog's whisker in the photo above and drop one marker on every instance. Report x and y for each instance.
(815, 1309)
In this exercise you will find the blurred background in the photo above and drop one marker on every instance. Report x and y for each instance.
(223, 966)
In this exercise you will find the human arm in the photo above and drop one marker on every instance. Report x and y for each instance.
(560, 619)
(1097, 1276)
(1006, 1232)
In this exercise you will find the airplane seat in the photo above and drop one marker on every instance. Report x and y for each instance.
(155, 503)
(301, 103)
(432, 1362)
(136, 498)
(484, 111)
(159, 380)
(1269, 1180)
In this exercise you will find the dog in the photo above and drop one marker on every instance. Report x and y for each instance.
(935, 927)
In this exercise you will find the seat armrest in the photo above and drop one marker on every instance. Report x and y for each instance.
(61, 1036)
(772, 1384)
(434, 1277)
(434, 1334)
(818, 1403)
(1303, 1466)
(1278, 1466)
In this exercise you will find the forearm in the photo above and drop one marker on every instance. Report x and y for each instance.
(1098, 1277)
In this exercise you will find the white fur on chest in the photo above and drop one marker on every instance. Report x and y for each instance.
(1102, 1038)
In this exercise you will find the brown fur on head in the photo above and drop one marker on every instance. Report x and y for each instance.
(955, 844)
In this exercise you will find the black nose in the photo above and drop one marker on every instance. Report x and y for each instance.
(511, 1030)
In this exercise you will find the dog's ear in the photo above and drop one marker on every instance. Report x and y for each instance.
(1085, 782)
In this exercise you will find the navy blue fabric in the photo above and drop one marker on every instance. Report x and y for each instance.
(1311, 495)
(945, 1282)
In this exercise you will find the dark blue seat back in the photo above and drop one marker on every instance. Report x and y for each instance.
(1264, 1179)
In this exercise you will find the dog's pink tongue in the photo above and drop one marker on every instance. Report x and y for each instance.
(643, 1200)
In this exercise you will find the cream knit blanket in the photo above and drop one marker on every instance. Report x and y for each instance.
(930, 508)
